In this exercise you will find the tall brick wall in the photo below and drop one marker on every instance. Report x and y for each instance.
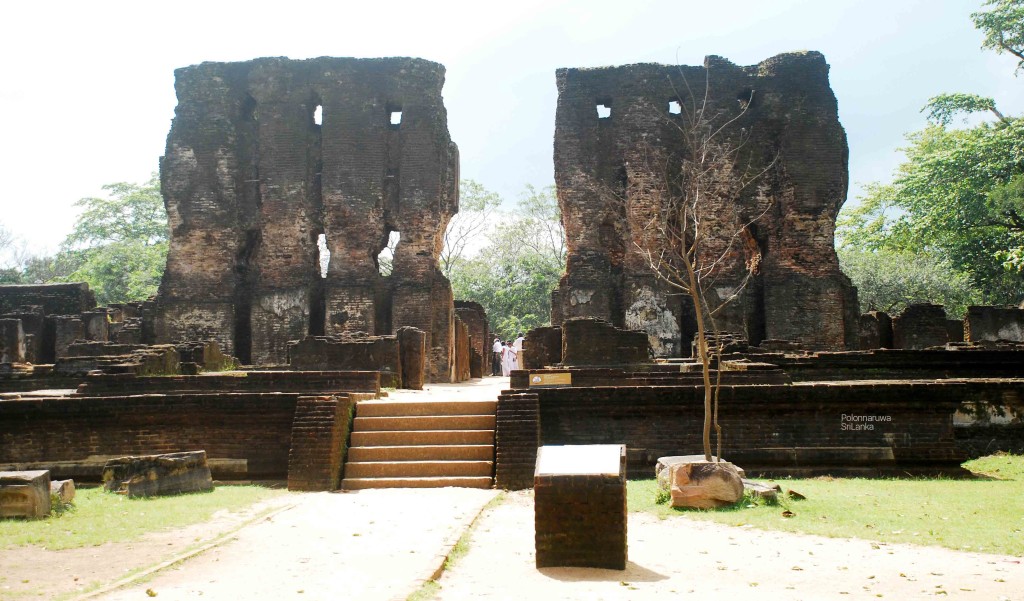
(608, 193)
(251, 180)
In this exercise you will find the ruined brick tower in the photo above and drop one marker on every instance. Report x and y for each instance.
(264, 157)
(609, 118)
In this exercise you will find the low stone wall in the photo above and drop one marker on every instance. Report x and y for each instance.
(656, 375)
(887, 364)
(306, 382)
(920, 326)
(589, 341)
(254, 427)
(543, 347)
(994, 323)
(357, 352)
(801, 429)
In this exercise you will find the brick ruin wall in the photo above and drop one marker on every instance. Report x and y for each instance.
(301, 437)
(251, 181)
(792, 132)
(769, 429)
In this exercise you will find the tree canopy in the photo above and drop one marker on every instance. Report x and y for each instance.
(958, 199)
(512, 276)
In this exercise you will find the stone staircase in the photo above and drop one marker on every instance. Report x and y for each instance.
(421, 444)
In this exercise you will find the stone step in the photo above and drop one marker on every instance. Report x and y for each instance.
(378, 408)
(417, 469)
(462, 482)
(484, 452)
(424, 437)
(424, 422)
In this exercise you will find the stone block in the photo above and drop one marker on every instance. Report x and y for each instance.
(156, 475)
(588, 341)
(62, 492)
(12, 341)
(580, 506)
(413, 351)
(25, 494)
(920, 326)
(994, 323)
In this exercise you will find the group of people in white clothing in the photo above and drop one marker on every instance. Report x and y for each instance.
(507, 356)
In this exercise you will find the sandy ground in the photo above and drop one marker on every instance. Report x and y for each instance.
(33, 572)
(366, 545)
(679, 557)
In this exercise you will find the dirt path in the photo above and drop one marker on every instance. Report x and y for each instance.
(366, 545)
(689, 559)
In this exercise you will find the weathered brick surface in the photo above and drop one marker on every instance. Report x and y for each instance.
(12, 341)
(994, 323)
(55, 299)
(251, 181)
(875, 330)
(766, 428)
(319, 442)
(251, 426)
(543, 347)
(516, 438)
(473, 315)
(587, 341)
(306, 382)
(463, 351)
(898, 364)
(354, 351)
(799, 292)
(580, 520)
(920, 326)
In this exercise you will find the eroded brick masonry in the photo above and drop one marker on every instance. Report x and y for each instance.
(265, 159)
(616, 128)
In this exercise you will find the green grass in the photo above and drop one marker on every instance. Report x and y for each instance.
(982, 515)
(98, 517)
(431, 588)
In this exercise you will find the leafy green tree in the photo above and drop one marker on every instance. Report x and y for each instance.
(514, 274)
(1003, 27)
(476, 205)
(118, 244)
(958, 195)
(890, 280)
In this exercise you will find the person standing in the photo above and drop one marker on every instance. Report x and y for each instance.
(517, 346)
(507, 358)
(496, 358)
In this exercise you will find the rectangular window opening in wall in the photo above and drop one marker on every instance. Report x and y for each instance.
(386, 258)
(318, 115)
(604, 110)
(674, 108)
(396, 119)
(324, 254)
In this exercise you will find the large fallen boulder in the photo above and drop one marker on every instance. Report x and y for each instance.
(25, 494)
(154, 475)
(692, 481)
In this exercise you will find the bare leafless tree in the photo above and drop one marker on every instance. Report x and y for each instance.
(691, 243)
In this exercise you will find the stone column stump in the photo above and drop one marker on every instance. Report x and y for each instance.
(580, 506)
(25, 494)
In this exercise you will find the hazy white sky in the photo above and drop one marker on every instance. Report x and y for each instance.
(87, 88)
